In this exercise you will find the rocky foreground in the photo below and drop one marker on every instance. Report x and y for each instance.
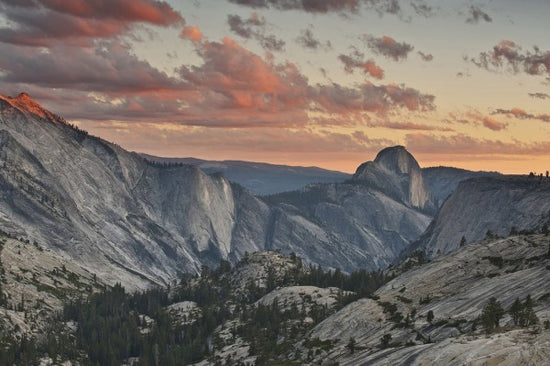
(454, 288)
(271, 309)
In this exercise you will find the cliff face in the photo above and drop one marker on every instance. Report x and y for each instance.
(396, 173)
(442, 181)
(139, 223)
(123, 218)
(478, 205)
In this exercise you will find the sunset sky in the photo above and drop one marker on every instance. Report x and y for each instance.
(301, 82)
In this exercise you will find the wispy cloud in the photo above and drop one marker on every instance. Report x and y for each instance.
(510, 56)
(428, 57)
(460, 144)
(475, 118)
(387, 46)
(476, 14)
(255, 27)
(522, 114)
(539, 95)
(317, 6)
(355, 61)
(307, 40)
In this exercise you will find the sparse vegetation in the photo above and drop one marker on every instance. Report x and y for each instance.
(430, 316)
(385, 341)
(491, 315)
(114, 325)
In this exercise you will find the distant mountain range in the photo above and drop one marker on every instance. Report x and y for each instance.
(261, 178)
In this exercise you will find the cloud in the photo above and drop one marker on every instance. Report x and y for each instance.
(147, 11)
(493, 124)
(310, 6)
(44, 22)
(388, 47)
(539, 95)
(109, 67)
(425, 57)
(408, 126)
(233, 77)
(475, 15)
(255, 27)
(230, 87)
(460, 144)
(522, 114)
(354, 61)
(381, 7)
(308, 40)
(476, 118)
(191, 33)
(422, 8)
(509, 54)
(379, 99)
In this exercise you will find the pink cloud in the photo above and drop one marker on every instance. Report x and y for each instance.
(461, 144)
(192, 33)
(44, 22)
(388, 47)
(522, 114)
(493, 124)
(476, 118)
(509, 54)
(368, 67)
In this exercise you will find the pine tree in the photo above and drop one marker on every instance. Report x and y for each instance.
(351, 345)
(528, 316)
(515, 311)
(430, 316)
(385, 340)
(491, 315)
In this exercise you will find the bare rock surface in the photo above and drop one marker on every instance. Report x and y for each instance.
(497, 204)
(455, 287)
(35, 285)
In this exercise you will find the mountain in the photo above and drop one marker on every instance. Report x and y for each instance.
(125, 219)
(261, 178)
(395, 172)
(346, 225)
(495, 203)
(138, 222)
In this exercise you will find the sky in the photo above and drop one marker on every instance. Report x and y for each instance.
(324, 83)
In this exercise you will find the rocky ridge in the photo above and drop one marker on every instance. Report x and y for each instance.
(142, 223)
(496, 205)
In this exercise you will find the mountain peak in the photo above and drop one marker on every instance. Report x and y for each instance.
(397, 173)
(397, 159)
(24, 103)
(24, 96)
